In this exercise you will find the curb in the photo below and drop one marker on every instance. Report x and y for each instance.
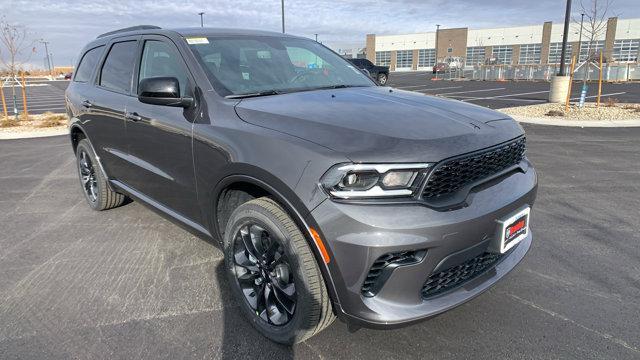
(33, 134)
(578, 123)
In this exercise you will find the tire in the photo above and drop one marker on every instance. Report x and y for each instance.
(382, 78)
(98, 193)
(312, 307)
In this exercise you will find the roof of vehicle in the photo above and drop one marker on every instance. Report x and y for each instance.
(194, 31)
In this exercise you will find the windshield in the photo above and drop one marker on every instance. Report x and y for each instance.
(246, 65)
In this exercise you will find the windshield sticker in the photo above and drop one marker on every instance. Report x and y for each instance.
(197, 40)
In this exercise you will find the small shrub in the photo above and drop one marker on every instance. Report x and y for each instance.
(9, 122)
(50, 122)
(50, 119)
(554, 113)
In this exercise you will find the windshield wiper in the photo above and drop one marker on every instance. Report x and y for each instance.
(256, 94)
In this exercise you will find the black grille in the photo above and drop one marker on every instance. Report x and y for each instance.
(457, 173)
(457, 275)
(381, 269)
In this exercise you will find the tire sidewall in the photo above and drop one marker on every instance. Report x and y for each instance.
(251, 213)
(84, 145)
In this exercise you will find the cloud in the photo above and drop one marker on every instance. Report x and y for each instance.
(70, 24)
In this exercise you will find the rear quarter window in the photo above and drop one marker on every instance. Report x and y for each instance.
(87, 64)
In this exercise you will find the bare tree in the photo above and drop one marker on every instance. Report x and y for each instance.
(596, 13)
(14, 45)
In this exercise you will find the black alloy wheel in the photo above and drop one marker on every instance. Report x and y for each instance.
(88, 175)
(264, 275)
(94, 183)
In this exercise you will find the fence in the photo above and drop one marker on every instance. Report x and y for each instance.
(611, 72)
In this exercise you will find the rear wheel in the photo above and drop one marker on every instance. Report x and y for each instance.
(273, 273)
(382, 78)
(94, 184)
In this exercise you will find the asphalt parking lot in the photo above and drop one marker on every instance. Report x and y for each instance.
(126, 283)
(42, 96)
(501, 94)
(45, 96)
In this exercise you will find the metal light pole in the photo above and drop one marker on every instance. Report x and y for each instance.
(282, 5)
(580, 37)
(437, 30)
(567, 17)
(201, 18)
(46, 50)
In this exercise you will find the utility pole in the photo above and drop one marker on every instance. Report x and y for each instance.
(437, 30)
(567, 17)
(580, 37)
(201, 18)
(282, 4)
(46, 50)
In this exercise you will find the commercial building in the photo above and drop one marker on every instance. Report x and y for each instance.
(619, 42)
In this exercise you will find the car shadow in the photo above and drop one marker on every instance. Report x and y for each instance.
(239, 339)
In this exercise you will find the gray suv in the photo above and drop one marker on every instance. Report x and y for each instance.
(329, 195)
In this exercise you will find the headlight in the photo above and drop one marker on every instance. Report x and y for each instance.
(348, 181)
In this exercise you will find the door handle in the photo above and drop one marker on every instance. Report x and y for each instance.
(132, 116)
(87, 103)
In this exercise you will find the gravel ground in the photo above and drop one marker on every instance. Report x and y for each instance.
(37, 125)
(588, 112)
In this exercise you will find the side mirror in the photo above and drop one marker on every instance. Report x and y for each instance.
(162, 91)
(366, 72)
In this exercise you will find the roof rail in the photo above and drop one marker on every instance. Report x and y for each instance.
(131, 28)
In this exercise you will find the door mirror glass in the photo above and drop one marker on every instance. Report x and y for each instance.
(162, 91)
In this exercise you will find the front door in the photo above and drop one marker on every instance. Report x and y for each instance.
(159, 137)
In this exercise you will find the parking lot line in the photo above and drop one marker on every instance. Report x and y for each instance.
(470, 91)
(508, 95)
(603, 95)
(424, 86)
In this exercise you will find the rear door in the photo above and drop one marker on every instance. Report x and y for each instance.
(107, 101)
(159, 137)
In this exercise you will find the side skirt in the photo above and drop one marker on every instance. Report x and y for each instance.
(184, 222)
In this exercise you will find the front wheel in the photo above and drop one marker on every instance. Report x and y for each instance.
(273, 273)
(382, 78)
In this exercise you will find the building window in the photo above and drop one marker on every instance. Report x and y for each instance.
(383, 58)
(530, 54)
(590, 48)
(502, 54)
(475, 56)
(626, 50)
(555, 49)
(426, 57)
(404, 58)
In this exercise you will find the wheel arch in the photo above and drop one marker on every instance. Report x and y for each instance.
(268, 185)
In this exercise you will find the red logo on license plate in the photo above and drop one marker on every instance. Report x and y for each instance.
(516, 228)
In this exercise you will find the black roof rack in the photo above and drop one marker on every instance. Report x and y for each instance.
(131, 28)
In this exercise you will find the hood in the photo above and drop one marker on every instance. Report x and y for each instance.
(378, 124)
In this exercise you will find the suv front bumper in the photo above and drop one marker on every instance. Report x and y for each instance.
(359, 234)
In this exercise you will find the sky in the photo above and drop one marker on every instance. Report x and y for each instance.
(341, 24)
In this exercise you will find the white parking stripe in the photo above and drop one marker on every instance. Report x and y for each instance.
(603, 95)
(508, 95)
(470, 91)
(441, 88)
(419, 86)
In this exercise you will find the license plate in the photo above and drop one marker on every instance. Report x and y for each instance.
(514, 229)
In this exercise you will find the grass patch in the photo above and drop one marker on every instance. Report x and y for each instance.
(50, 119)
(9, 122)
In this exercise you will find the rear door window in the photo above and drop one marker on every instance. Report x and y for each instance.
(117, 69)
(87, 64)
